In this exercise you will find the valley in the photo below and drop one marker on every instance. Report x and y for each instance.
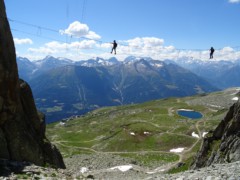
(162, 106)
(144, 136)
(63, 88)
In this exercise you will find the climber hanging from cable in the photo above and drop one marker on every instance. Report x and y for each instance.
(114, 46)
(211, 52)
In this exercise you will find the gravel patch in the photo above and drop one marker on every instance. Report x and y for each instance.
(98, 166)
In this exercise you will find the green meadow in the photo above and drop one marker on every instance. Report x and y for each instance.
(145, 132)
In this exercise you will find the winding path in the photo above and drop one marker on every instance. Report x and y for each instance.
(163, 168)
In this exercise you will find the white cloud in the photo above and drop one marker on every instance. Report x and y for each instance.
(85, 44)
(154, 47)
(42, 50)
(22, 41)
(146, 47)
(234, 1)
(69, 50)
(145, 42)
(92, 35)
(140, 47)
(227, 49)
(152, 41)
(78, 29)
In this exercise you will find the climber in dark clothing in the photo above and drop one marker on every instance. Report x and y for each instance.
(114, 46)
(211, 52)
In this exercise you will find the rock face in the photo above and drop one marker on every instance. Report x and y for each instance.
(223, 145)
(22, 131)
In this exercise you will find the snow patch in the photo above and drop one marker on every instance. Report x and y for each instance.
(146, 133)
(185, 110)
(204, 134)
(158, 65)
(62, 123)
(123, 168)
(177, 150)
(132, 133)
(235, 99)
(195, 135)
(84, 169)
(33, 71)
(215, 106)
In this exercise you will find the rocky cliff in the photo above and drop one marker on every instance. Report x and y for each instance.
(223, 144)
(22, 129)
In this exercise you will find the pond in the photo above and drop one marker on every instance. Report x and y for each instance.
(189, 113)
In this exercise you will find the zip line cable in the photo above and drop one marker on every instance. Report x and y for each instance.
(83, 10)
(38, 35)
(33, 25)
(57, 31)
(67, 9)
(129, 46)
(40, 28)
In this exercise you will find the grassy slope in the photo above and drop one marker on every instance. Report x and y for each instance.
(108, 130)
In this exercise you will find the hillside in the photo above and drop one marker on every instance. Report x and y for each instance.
(134, 142)
(76, 89)
(141, 135)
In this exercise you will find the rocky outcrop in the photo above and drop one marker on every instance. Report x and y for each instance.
(223, 144)
(22, 131)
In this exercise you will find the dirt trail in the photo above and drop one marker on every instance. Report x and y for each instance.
(161, 169)
(170, 111)
(183, 154)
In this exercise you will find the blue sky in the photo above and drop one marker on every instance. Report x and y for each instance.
(82, 29)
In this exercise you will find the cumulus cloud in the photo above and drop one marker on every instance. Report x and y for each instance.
(227, 49)
(140, 47)
(85, 44)
(155, 48)
(42, 50)
(146, 47)
(105, 45)
(22, 41)
(234, 1)
(145, 42)
(225, 53)
(68, 50)
(92, 35)
(78, 29)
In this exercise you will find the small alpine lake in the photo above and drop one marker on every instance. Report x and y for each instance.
(189, 113)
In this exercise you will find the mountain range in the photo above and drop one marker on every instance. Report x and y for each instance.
(222, 74)
(64, 88)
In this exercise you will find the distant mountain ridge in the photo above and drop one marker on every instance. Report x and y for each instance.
(30, 69)
(63, 87)
(222, 74)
